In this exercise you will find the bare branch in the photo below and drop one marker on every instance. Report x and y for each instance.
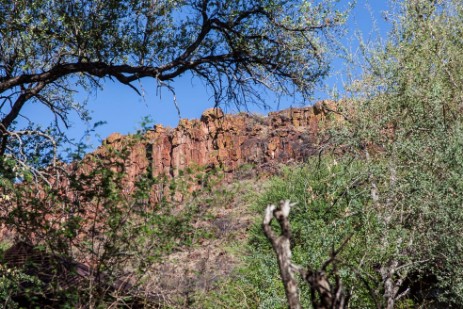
(281, 245)
(324, 295)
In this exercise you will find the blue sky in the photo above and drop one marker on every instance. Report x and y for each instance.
(123, 109)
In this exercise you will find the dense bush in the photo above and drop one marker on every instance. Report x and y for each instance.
(396, 189)
(407, 119)
(330, 208)
(91, 212)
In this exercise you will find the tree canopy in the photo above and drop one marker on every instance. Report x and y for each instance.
(51, 49)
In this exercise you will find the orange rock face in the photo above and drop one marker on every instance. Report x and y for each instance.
(226, 141)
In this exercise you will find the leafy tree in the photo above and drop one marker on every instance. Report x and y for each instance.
(402, 145)
(50, 49)
(406, 122)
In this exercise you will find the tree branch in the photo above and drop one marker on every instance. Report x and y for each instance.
(281, 245)
(18, 104)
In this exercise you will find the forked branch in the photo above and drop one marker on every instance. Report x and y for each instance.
(324, 295)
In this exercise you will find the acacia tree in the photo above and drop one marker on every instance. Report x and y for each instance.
(51, 49)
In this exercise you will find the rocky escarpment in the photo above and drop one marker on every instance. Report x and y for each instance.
(226, 141)
(216, 140)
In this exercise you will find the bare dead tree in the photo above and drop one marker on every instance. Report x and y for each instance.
(324, 294)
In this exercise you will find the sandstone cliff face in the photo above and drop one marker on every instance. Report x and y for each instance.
(226, 141)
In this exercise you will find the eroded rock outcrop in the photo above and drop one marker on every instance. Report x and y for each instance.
(226, 141)
(216, 140)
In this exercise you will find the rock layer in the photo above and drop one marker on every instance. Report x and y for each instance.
(226, 141)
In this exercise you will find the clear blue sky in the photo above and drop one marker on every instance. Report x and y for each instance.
(123, 109)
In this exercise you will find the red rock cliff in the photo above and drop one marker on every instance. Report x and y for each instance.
(223, 140)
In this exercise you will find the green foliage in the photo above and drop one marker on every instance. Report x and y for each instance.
(332, 205)
(406, 121)
(11, 282)
(254, 285)
(98, 215)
